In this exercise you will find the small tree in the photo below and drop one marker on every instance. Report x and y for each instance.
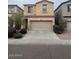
(10, 21)
(18, 17)
(60, 23)
(10, 26)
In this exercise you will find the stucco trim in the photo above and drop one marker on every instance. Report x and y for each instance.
(29, 4)
(40, 20)
(40, 16)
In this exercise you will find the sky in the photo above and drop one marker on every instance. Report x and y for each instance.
(21, 2)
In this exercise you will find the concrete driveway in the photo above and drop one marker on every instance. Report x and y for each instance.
(36, 35)
(41, 35)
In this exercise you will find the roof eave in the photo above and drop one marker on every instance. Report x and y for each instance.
(61, 5)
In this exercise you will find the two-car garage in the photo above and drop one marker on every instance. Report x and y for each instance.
(41, 25)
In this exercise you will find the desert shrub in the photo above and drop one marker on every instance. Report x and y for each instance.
(17, 35)
(23, 31)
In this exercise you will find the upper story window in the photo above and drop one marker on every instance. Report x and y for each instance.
(11, 9)
(68, 7)
(30, 9)
(44, 8)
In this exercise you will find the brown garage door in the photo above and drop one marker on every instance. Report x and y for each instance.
(41, 26)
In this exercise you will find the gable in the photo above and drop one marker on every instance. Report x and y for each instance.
(45, 1)
(39, 3)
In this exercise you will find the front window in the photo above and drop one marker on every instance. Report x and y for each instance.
(30, 9)
(10, 11)
(68, 7)
(44, 9)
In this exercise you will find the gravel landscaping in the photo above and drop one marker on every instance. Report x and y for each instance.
(65, 36)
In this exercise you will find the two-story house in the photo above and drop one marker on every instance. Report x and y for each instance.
(39, 16)
(64, 10)
(12, 9)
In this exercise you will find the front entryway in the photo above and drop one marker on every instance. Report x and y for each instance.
(41, 26)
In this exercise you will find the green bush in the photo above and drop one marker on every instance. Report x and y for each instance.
(18, 17)
(60, 23)
(61, 27)
(17, 35)
(57, 29)
(23, 31)
(14, 30)
(10, 21)
(10, 32)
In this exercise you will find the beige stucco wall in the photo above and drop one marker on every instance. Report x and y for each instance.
(50, 9)
(26, 11)
(39, 18)
(37, 9)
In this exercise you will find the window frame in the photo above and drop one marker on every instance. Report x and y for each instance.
(31, 9)
(44, 10)
(68, 7)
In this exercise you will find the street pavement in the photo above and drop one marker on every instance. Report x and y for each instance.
(41, 47)
(53, 49)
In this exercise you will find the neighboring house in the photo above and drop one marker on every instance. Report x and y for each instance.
(12, 9)
(39, 16)
(64, 10)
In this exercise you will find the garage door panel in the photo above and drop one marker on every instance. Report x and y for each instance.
(41, 26)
